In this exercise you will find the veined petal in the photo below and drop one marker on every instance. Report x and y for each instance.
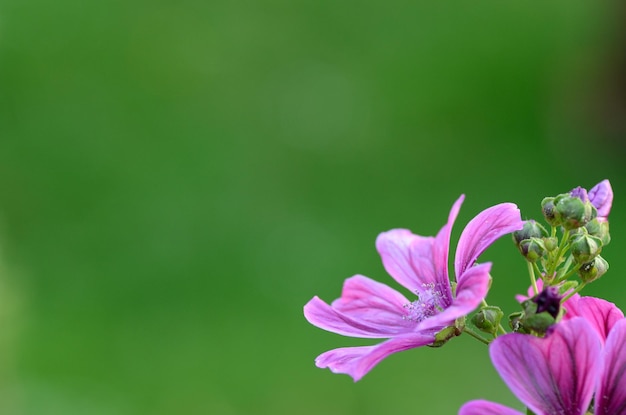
(482, 407)
(407, 257)
(470, 292)
(551, 375)
(441, 250)
(611, 394)
(482, 231)
(601, 314)
(357, 361)
(355, 322)
(601, 196)
(374, 303)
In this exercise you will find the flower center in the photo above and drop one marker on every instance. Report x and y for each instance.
(429, 302)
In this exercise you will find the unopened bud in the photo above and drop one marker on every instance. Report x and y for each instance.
(551, 243)
(532, 249)
(599, 229)
(593, 270)
(532, 320)
(488, 319)
(549, 211)
(548, 300)
(515, 322)
(573, 212)
(531, 229)
(585, 247)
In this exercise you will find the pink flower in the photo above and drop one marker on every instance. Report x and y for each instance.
(370, 309)
(560, 373)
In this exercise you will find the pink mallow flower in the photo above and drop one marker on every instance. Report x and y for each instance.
(369, 309)
(580, 359)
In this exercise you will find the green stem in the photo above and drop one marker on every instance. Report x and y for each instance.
(533, 281)
(476, 335)
(574, 291)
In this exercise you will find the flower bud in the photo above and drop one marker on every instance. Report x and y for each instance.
(593, 270)
(488, 319)
(444, 335)
(531, 229)
(599, 229)
(549, 211)
(585, 247)
(535, 321)
(532, 249)
(549, 301)
(573, 212)
(551, 243)
(515, 322)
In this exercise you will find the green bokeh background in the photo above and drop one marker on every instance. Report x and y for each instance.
(177, 179)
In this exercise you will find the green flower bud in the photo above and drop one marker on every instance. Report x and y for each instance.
(531, 229)
(549, 211)
(573, 212)
(593, 270)
(534, 321)
(515, 322)
(551, 243)
(488, 319)
(585, 247)
(532, 249)
(599, 229)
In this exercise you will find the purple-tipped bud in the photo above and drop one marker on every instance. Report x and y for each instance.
(599, 229)
(488, 319)
(548, 300)
(534, 320)
(585, 247)
(548, 209)
(573, 212)
(593, 270)
(532, 249)
(531, 229)
(580, 193)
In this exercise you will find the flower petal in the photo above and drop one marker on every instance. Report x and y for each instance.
(551, 375)
(441, 250)
(601, 314)
(482, 231)
(470, 292)
(601, 196)
(407, 257)
(481, 407)
(372, 302)
(354, 321)
(357, 361)
(611, 394)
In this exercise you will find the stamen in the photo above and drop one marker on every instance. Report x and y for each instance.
(429, 303)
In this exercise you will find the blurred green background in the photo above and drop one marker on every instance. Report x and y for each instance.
(177, 179)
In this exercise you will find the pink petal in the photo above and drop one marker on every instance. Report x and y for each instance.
(357, 361)
(407, 257)
(482, 231)
(350, 316)
(441, 250)
(551, 375)
(611, 394)
(601, 314)
(601, 196)
(481, 407)
(374, 303)
(470, 292)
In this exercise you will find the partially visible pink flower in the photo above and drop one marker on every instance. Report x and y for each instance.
(600, 314)
(370, 309)
(560, 373)
(600, 196)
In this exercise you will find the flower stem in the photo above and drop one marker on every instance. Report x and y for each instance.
(533, 280)
(574, 291)
(476, 335)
